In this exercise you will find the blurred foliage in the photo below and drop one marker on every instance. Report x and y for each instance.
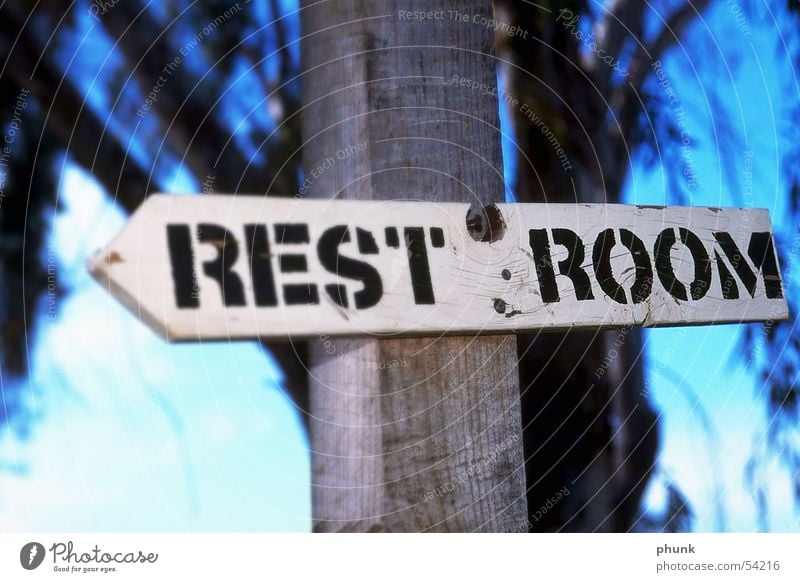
(226, 113)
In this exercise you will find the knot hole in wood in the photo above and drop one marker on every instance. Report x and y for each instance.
(485, 224)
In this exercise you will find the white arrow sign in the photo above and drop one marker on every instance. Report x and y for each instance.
(222, 267)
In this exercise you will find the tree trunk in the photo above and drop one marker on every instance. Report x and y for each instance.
(413, 434)
(588, 425)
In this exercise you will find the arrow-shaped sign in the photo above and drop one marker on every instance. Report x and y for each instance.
(224, 267)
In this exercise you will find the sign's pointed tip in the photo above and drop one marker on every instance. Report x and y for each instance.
(98, 264)
(101, 267)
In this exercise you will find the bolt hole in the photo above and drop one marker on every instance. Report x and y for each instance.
(485, 224)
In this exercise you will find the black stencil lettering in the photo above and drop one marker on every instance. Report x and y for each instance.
(293, 263)
(702, 264)
(601, 258)
(291, 234)
(746, 276)
(334, 262)
(261, 265)
(762, 253)
(219, 269)
(666, 272)
(543, 262)
(303, 294)
(571, 266)
(181, 257)
(643, 285)
(730, 290)
(338, 293)
(437, 237)
(419, 266)
(392, 238)
(366, 242)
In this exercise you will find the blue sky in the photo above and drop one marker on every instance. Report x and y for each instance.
(707, 364)
(135, 434)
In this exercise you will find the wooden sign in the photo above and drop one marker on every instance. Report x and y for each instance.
(222, 267)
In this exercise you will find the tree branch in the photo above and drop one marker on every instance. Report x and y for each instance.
(624, 20)
(67, 116)
(670, 34)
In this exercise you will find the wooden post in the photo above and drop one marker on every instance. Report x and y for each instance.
(413, 434)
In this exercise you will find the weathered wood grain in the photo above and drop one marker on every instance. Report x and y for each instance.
(553, 267)
(385, 437)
